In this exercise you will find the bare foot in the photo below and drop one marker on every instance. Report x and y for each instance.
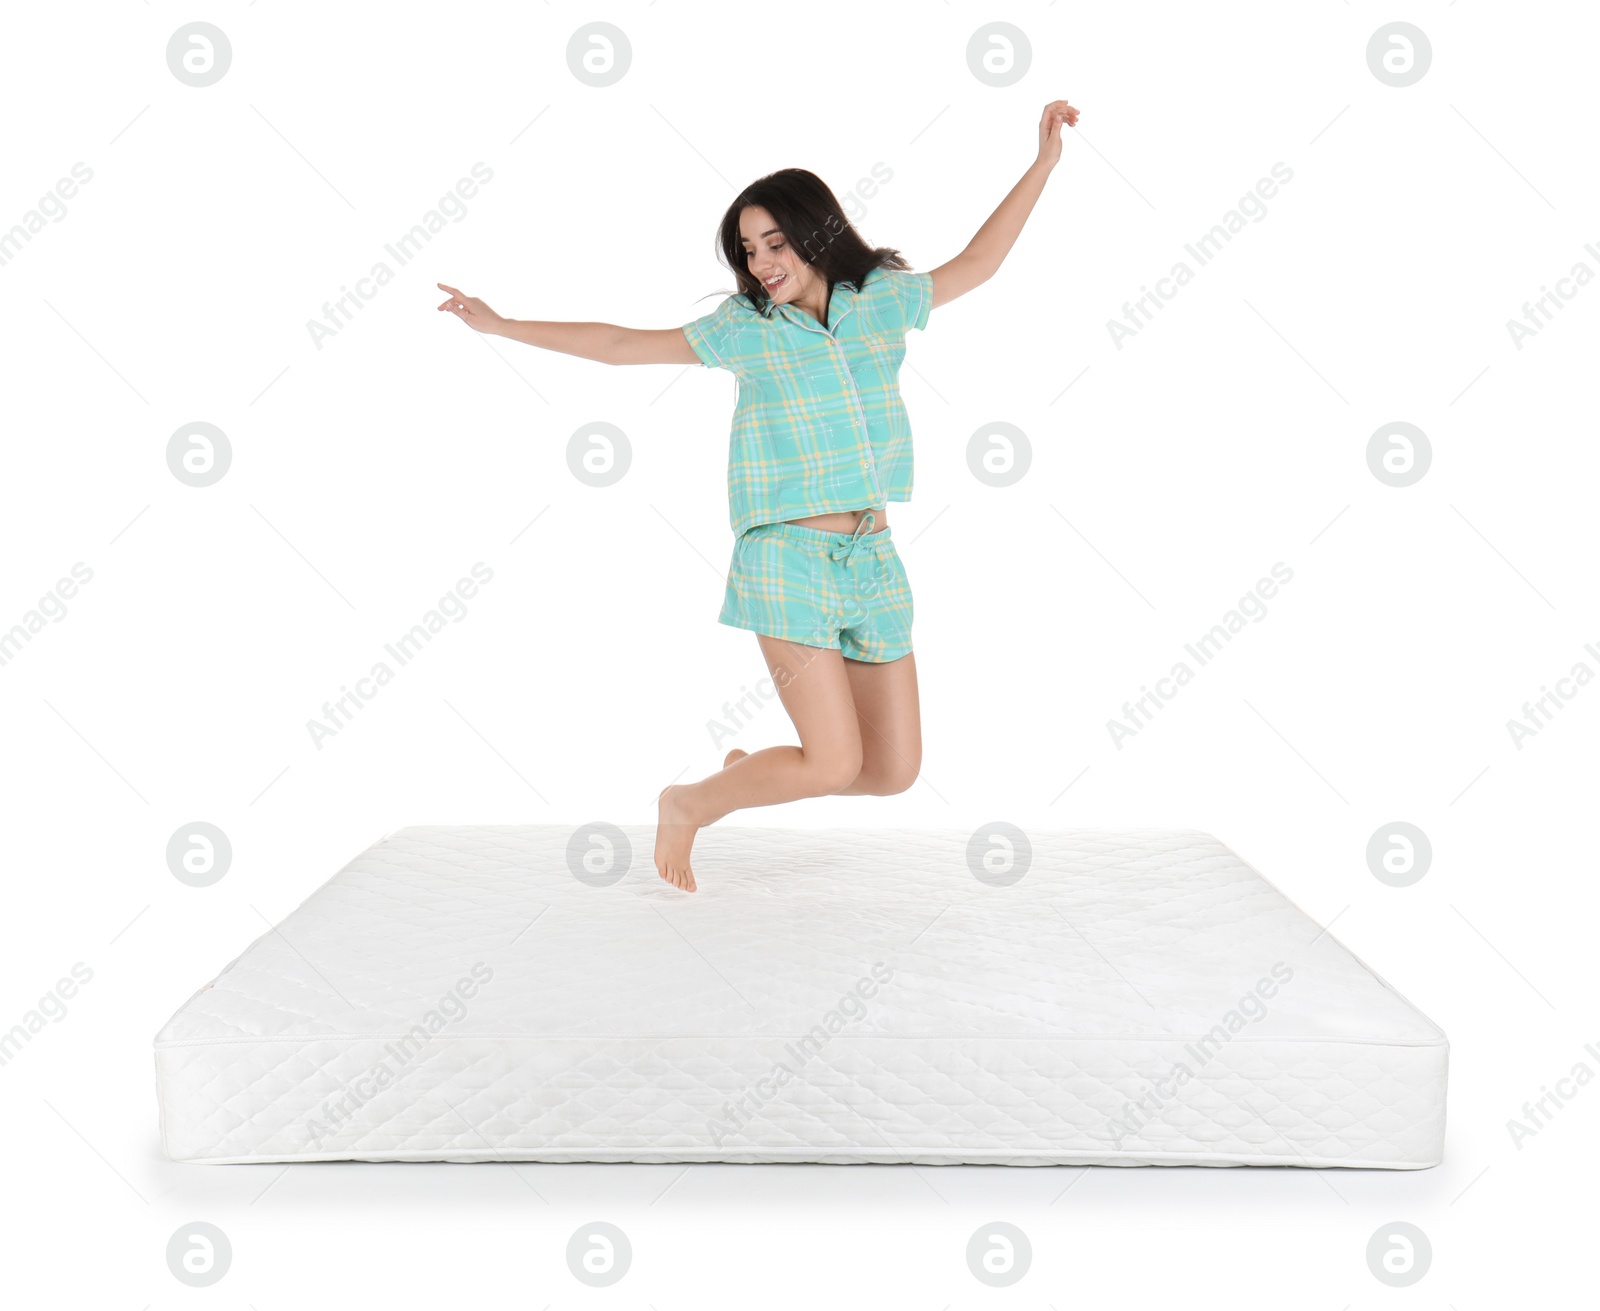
(675, 830)
(735, 754)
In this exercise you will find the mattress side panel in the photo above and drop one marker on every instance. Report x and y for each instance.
(1023, 1102)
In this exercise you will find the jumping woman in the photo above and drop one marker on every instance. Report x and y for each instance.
(820, 444)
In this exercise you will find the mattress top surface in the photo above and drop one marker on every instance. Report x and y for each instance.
(1130, 934)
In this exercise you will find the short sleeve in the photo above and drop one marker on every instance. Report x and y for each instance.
(908, 298)
(710, 336)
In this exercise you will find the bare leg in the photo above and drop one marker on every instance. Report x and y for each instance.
(815, 690)
(889, 717)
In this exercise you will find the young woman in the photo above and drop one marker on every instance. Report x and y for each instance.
(820, 444)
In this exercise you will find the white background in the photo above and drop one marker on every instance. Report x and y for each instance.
(367, 476)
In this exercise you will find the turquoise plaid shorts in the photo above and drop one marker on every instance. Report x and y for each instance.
(843, 590)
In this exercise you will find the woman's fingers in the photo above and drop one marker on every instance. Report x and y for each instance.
(457, 304)
(1056, 113)
(470, 310)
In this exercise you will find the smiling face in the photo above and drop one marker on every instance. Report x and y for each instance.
(772, 261)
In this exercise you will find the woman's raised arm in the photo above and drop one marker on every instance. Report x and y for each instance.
(606, 343)
(987, 250)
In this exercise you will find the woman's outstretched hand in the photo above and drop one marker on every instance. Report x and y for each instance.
(472, 311)
(1056, 113)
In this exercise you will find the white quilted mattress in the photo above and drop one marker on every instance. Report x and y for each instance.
(530, 993)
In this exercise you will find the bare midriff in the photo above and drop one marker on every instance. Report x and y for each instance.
(844, 521)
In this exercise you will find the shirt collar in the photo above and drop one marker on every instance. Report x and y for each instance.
(841, 302)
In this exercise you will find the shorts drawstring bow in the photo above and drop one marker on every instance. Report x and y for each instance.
(846, 552)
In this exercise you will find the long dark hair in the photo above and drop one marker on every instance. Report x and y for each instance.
(813, 223)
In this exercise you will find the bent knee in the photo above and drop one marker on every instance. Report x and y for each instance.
(833, 770)
(902, 782)
(898, 779)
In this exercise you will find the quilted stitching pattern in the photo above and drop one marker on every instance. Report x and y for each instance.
(1021, 1025)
